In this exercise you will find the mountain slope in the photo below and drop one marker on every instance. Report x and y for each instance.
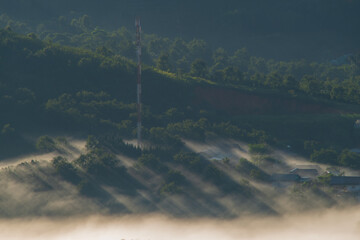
(52, 90)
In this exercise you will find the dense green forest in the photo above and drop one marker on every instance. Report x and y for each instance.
(49, 86)
(337, 80)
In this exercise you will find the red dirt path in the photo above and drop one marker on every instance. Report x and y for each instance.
(236, 102)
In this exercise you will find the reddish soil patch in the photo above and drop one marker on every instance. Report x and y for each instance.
(236, 102)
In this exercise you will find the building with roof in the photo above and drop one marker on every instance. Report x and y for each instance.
(283, 181)
(352, 184)
(305, 173)
(279, 177)
(308, 166)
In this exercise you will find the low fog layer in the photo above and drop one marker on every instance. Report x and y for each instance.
(37, 188)
(329, 225)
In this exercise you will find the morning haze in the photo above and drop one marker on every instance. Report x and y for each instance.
(204, 120)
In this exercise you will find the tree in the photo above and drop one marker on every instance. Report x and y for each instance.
(66, 169)
(289, 82)
(45, 144)
(157, 45)
(92, 143)
(232, 75)
(310, 85)
(241, 59)
(213, 174)
(104, 51)
(170, 188)
(191, 161)
(349, 159)
(329, 156)
(220, 58)
(173, 115)
(199, 49)
(199, 68)
(311, 145)
(274, 80)
(152, 162)
(178, 50)
(163, 138)
(163, 62)
(337, 92)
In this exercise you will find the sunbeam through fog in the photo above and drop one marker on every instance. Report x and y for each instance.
(179, 120)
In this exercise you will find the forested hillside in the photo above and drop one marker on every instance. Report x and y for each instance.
(70, 74)
(48, 87)
(320, 30)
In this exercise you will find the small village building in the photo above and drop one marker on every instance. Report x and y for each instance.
(286, 177)
(334, 171)
(283, 181)
(351, 184)
(305, 173)
(308, 166)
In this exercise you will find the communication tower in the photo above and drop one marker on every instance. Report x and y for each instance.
(138, 53)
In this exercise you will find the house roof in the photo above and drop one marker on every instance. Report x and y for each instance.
(309, 166)
(308, 171)
(286, 177)
(342, 180)
(311, 173)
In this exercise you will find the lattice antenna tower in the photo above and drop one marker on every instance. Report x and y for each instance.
(138, 53)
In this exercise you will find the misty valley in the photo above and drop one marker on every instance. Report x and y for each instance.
(179, 126)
